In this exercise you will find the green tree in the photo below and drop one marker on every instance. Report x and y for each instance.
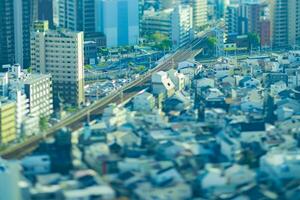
(210, 45)
(43, 123)
(158, 37)
(165, 44)
(88, 67)
(140, 68)
(29, 69)
(211, 42)
(254, 40)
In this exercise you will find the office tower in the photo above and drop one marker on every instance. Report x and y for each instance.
(220, 8)
(60, 53)
(6, 32)
(7, 121)
(23, 18)
(119, 21)
(45, 11)
(16, 17)
(182, 25)
(77, 15)
(285, 22)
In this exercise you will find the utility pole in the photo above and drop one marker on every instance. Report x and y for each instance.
(122, 95)
(88, 117)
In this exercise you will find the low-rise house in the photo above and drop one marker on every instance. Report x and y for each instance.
(218, 181)
(281, 166)
(144, 102)
(162, 84)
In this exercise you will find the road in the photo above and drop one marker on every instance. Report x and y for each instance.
(124, 93)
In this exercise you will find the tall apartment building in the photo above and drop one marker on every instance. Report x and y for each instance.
(38, 89)
(285, 22)
(7, 121)
(199, 12)
(253, 13)
(182, 25)
(232, 20)
(60, 53)
(119, 21)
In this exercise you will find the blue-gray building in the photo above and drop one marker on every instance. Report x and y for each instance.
(119, 21)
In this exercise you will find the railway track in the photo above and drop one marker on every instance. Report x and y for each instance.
(29, 145)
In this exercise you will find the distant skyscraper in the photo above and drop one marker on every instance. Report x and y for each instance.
(16, 18)
(119, 21)
(23, 19)
(7, 48)
(45, 11)
(77, 15)
(285, 22)
(60, 53)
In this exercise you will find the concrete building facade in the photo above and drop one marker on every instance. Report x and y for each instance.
(7, 121)
(60, 53)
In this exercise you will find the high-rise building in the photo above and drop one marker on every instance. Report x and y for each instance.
(119, 21)
(232, 20)
(16, 18)
(199, 12)
(285, 22)
(45, 11)
(60, 53)
(265, 33)
(7, 47)
(77, 15)
(7, 121)
(182, 25)
(23, 18)
(253, 13)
